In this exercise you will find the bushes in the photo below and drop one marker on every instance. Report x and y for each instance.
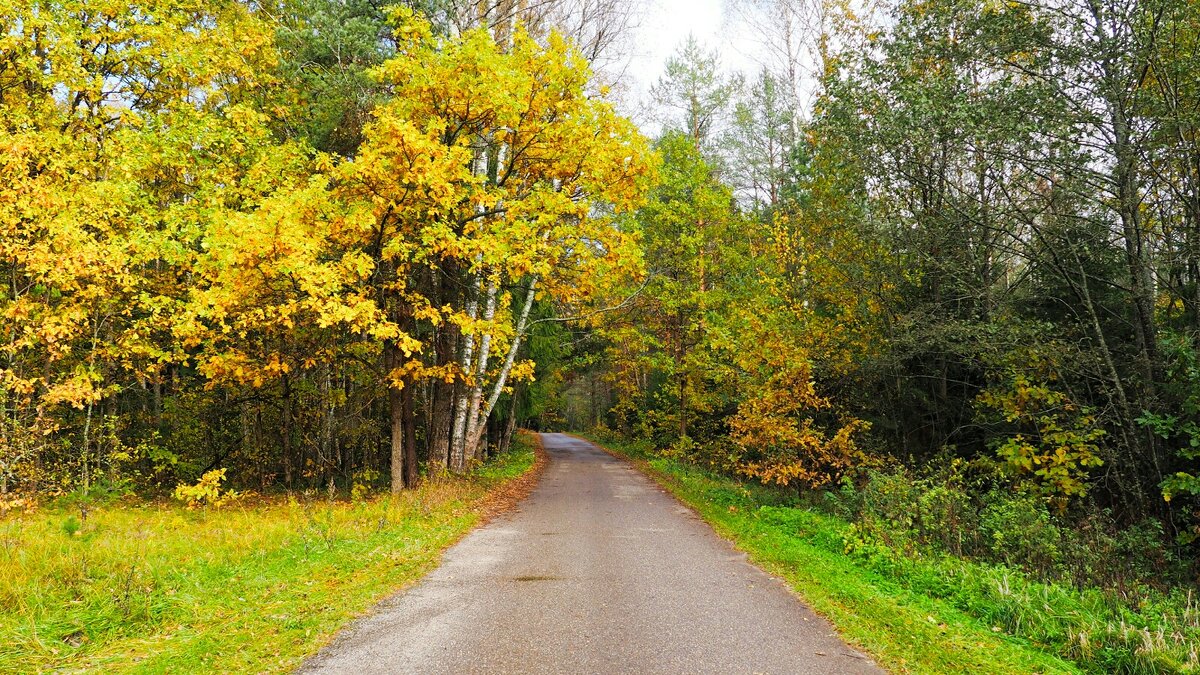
(1116, 600)
(974, 510)
(949, 513)
(206, 492)
(1017, 530)
(1157, 635)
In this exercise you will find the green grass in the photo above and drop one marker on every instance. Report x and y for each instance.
(933, 614)
(252, 587)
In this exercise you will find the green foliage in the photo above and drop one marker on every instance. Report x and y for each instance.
(328, 47)
(71, 526)
(1057, 448)
(1183, 430)
(1028, 261)
(664, 353)
(1021, 532)
(887, 580)
(761, 143)
(696, 93)
(980, 517)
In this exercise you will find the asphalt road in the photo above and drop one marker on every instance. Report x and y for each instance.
(597, 571)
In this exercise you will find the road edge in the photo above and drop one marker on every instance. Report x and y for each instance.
(505, 498)
(666, 482)
(509, 496)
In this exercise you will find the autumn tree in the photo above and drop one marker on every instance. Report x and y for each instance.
(115, 124)
(486, 178)
(547, 168)
(230, 274)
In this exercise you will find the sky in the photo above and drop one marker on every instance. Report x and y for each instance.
(665, 25)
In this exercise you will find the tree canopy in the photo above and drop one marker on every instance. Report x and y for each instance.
(323, 240)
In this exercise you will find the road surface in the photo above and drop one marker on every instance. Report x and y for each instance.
(598, 571)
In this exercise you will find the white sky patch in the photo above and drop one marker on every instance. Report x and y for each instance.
(664, 26)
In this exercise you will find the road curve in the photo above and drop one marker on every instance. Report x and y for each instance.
(598, 571)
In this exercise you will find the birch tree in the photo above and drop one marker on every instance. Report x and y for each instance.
(541, 169)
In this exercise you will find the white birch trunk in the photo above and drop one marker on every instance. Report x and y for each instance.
(459, 431)
(509, 360)
(485, 348)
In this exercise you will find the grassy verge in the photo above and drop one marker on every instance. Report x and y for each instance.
(249, 588)
(935, 615)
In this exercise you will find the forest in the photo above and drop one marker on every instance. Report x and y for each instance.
(934, 266)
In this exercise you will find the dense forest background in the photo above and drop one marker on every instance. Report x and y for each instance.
(302, 243)
(959, 274)
(941, 254)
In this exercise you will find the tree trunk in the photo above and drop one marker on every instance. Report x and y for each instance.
(396, 416)
(511, 426)
(458, 454)
(1192, 240)
(325, 450)
(158, 399)
(402, 416)
(1141, 280)
(1129, 203)
(409, 423)
(446, 339)
(509, 360)
(443, 400)
(286, 434)
(485, 349)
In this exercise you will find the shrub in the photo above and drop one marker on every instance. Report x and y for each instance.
(1020, 532)
(206, 492)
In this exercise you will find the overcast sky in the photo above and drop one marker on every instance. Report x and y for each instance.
(664, 26)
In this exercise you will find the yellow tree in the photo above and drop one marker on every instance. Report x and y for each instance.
(112, 116)
(488, 170)
(814, 315)
(494, 168)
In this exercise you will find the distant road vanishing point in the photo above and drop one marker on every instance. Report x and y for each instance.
(598, 571)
